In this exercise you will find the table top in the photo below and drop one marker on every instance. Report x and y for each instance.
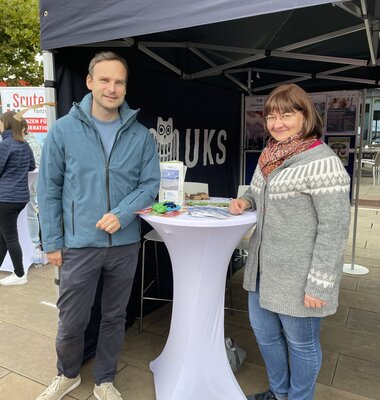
(184, 219)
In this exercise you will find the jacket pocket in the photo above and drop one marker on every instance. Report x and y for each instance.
(136, 197)
(73, 217)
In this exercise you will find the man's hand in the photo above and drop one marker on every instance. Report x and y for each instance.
(55, 257)
(313, 302)
(109, 223)
(238, 206)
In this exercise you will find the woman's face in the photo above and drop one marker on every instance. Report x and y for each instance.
(282, 126)
(1, 126)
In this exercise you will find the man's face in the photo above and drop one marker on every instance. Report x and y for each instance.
(108, 84)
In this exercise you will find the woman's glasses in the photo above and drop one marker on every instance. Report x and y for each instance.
(271, 119)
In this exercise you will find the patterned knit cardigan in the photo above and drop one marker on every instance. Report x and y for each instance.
(303, 216)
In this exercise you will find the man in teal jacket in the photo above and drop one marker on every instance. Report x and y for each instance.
(98, 166)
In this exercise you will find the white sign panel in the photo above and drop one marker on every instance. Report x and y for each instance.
(20, 98)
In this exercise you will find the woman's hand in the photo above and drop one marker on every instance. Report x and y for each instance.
(238, 206)
(313, 302)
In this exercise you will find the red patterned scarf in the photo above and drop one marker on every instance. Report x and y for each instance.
(275, 153)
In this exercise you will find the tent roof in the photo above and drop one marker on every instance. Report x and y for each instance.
(90, 21)
(257, 46)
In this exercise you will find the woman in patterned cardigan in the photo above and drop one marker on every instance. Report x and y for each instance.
(300, 190)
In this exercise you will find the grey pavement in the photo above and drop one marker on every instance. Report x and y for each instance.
(350, 338)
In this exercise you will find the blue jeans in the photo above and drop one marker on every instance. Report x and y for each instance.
(290, 348)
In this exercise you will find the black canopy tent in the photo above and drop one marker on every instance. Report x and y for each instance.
(218, 48)
(323, 44)
(193, 60)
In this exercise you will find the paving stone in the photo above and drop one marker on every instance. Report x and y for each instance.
(351, 342)
(358, 376)
(349, 282)
(360, 300)
(17, 387)
(252, 378)
(339, 318)
(3, 372)
(35, 357)
(141, 348)
(329, 361)
(369, 286)
(364, 321)
(324, 392)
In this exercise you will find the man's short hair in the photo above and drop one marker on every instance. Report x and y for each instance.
(106, 56)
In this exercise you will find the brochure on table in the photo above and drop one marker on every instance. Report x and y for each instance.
(172, 179)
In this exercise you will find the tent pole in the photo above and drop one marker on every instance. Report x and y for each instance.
(242, 138)
(49, 83)
(353, 268)
(51, 112)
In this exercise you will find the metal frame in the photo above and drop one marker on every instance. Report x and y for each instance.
(370, 25)
(151, 236)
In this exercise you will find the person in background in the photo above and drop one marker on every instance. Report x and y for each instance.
(16, 160)
(98, 167)
(300, 191)
(31, 207)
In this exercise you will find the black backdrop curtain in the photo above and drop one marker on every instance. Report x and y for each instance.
(192, 106)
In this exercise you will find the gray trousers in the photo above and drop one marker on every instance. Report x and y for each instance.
(79, 277)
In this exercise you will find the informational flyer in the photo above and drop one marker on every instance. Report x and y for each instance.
(255, 137)
(172, 179)
(341, 113)
(341, 146)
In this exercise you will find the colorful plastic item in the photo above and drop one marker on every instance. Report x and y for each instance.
(165, 207)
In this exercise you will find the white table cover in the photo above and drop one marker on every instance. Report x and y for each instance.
(24, 237)
(193, 364)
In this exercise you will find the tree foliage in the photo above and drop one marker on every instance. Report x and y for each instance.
(20, 55)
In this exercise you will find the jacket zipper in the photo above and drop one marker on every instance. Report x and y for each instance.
(123, 127)
(108, 197)
(108, 177)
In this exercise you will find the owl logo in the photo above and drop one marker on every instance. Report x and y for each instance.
(167, 139)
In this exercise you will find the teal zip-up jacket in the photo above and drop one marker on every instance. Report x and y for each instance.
(77, 184)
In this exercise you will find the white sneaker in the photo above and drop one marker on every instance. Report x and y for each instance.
(107, 391)
(59, 387)
(13, 279)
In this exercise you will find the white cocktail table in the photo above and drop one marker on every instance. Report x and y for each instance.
(193, 364)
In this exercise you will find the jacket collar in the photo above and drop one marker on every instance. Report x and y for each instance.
(82, 110)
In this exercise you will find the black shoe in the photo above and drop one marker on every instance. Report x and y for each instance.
(268, 395)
